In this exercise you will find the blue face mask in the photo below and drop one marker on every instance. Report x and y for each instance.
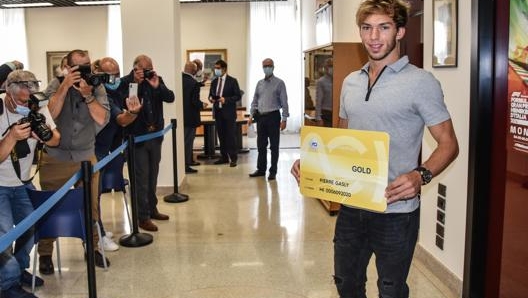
(218, 72)
(268, 70)
(115, 85)
(22, 110)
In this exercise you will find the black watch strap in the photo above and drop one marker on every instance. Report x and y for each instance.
(427, 176)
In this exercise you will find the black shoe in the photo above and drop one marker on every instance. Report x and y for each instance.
(99, 260)
(272, 176)
(46, 265)
(257, 173)
(194, 163)
(26, 279)
(233, 164)
(16, 291)
(189, 170)
(221, 161)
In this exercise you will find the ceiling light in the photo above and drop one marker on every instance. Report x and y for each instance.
(97, 2)
(20, 5)
(190, 0)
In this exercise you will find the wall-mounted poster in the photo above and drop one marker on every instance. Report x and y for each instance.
(518, 77)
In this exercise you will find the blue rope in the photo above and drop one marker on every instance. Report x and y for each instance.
(8, 238)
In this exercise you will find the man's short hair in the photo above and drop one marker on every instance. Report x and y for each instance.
(81, 53)
(222, 63)
(397, 10)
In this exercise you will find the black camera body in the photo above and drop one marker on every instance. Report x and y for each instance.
(148, 73)
(37, 120)
(93, 79)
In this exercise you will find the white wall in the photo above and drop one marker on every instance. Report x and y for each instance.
(64, 29)
(218, 26)
(456, 86)
(345, 29)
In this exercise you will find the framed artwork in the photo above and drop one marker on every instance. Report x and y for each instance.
(53, 61)
(445, 31)
(208, 58)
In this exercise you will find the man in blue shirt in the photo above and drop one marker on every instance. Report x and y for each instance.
(270, 96)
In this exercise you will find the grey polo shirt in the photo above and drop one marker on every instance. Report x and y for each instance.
(76, 125)
(403, 101)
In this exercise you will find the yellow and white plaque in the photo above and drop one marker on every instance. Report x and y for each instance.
(347, 166)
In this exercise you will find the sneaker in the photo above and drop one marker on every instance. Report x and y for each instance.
(109, 244)
(16, 291)
(109, 234)
(26, 279)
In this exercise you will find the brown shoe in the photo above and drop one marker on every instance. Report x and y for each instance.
(148, 225)
(159, 216)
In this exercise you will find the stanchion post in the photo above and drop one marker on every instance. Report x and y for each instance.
(86, 167)
(135, 238)
(175, 197)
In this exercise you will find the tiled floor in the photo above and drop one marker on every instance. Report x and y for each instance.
(236, 237)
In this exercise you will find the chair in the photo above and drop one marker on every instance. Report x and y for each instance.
(65, 219)
(112, 179)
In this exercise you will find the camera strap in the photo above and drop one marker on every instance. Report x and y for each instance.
(16, 164)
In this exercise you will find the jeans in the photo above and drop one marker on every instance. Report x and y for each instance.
(391, 237)
(147, 159)
(15, 205)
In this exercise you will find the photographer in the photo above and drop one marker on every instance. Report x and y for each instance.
(20, 134)
(151, 90)
(78, 109)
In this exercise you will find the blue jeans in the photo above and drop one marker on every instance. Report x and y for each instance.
(15, 205)
(391, 237)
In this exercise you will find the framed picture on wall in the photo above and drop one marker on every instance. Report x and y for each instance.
(53, 62)
(445, 31)
(208, 58)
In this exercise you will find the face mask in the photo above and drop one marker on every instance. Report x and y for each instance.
(64, 72)
(115, 85)
(218, 72)
(330, 70)
(268, 70)
(22, 110)
(199, 73)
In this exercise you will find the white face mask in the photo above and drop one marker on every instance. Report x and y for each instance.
(64, 72)
(199, 73)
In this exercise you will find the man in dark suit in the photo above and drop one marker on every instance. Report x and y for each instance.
(191, 112)
(224, 94)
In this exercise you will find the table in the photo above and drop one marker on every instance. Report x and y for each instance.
(208, 123)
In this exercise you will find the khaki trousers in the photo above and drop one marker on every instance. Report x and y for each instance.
(53, 174)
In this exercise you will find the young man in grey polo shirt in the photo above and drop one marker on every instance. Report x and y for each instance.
(389, 94)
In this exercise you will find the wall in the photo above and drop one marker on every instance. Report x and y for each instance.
(64, 29)
(218, 26)
(455, 83)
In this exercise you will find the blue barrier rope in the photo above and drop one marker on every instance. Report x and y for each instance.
(8, 238)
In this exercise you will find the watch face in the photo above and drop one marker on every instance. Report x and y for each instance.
(427, 176)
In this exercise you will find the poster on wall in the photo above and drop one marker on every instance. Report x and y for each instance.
(518, 77)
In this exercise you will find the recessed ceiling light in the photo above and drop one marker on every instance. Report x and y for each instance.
(21, 5)
(190, 0)
(97, 2)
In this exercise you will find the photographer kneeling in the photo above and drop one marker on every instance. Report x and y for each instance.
(24, 121)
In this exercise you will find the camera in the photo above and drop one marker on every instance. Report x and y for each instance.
(93, 79)
(37, 120)
(148, 73)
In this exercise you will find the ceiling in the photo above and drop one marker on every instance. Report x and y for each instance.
(64, 3)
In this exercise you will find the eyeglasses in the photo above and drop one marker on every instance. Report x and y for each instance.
(32, 86)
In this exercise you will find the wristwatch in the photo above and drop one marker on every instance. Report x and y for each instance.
(427, 176)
